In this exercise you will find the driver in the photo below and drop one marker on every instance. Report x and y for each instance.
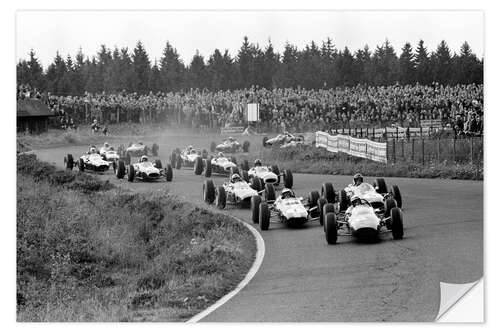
(230, 138)
(356, 201)
(106, 145)
(235, 178)
(257, 162)
(357, 179)
(144, 158)
(92, 150)
(220, 154)
(287, 193)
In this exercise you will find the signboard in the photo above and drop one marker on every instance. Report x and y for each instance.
(364, 148)
(253, 112)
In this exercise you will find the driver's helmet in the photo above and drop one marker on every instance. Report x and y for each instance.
(93, 150)
(144, 158)
(190, 148)
(111, 148)
(235, 178)
(106, 144)
(287, 193)
(355, 200)
(192, 151)
(358, 179)
(140, 143)
(257, 162)
(220, 154)
(230, 138)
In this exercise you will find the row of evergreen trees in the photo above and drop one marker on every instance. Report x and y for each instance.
(313, 67)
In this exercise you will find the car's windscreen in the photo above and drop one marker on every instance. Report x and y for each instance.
(291, 201)
(147, 164)
(363, 188)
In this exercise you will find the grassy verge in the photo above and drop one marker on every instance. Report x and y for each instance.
(319, 161)
(87, 251)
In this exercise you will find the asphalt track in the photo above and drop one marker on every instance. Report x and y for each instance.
(304, 279)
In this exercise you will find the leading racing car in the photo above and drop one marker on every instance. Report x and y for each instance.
(230, 145)
(236, 191)
(282, 139)
(187, 158)
(220, 165)
(139, 149)
(285, 209)
(91, 160)
(144, 170)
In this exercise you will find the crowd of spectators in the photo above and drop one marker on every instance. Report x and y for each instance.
(459, 107)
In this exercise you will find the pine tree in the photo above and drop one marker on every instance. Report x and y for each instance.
(196, 72)
(441, 64)
(422, 65)
(171, 69)
(407, 65)
(142, 69)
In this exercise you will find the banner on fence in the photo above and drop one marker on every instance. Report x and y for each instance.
(431, 123)
(364, 148)
(253, 112)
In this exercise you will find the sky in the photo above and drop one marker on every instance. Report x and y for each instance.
(66, 31)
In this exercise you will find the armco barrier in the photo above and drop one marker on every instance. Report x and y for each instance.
(364, 148)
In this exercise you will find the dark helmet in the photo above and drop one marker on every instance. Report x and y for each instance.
(257, 162)
(358, 179)
(235, 178)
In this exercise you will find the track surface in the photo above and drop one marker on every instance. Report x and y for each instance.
(304, 279)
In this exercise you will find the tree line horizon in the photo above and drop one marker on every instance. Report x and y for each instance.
(312, 67)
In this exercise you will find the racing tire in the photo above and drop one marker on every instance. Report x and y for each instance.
(208, 191)
(276, 170)
(264, 216)
(131, 173)
(328, 192)
(213, 145)
(103, 156)
(331, 228)
(380, 185)
(270, 193)
(343, 201)
(321, 203)
(245, 166)
(120, 170)
(396, 194)
(154, 149)
(264, 141)
(244, 175)
(389, 204)
(328, 208)
(313, 200)
(158, 164)
(178, 162)
(127, 159)
(397, 223)
(246, 146)
(169, 172)
(81, 165)
(255, 184)
(254, 208)
(198, 166)
(69, 162)
(262, 183)
(220, 199)
(287, 179)
(208, 168)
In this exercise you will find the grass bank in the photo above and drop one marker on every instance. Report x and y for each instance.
(319, 161)
(88, 251)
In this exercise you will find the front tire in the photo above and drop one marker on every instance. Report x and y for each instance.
(397, 223)
(208, 168)
(343, 201)
(288, 179)
(220, 200)
(331, 228)
(313, 200)
(270, 193)
(120, 170)
(380, 185)
(208, 191)
(397, 195)
(321, 203)
(169, 173)
(131, 173)
(264, 216)
(328, 192)
(69, 162)
(198, 166)
(254, 207)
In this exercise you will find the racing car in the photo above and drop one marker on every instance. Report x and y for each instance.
(281, 139)
(144, 170)
(376, 194)
(236, 191)
(187, 158)
(108, 153)
(362, 221)
(285, 209)
(139, 149)
(266, 174)
(220, 165)
(230, 145)
(91, 160)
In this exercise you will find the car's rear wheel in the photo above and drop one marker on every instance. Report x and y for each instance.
(120, 170)
(69, 162)
(220, 200)
(178, 163)
(321, 203)
(287, 179)
(270, 193)
(208, 168)
(397, 223)
(198, 166)
(380, 185)
(208, 191)
(343, 201)
(264, 216)
(158, 164)
(276, 170)
(264, 141)
(169, 173)
(328, 208)
(244, 175)
(255, 184)
(328, 192)
(254, 208)
(397, 195)
(313, 200)
(331, 228)
(127, 159)
(389, 204)
(131, 173)
(81, 165)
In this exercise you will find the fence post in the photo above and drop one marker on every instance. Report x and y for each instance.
(421, 132)
(413, 150)
(349, 130)
(394, 149)
(454, 149)
(373, 132)
(439, 150)
(403, 150)
(423, 152)
(471, 150)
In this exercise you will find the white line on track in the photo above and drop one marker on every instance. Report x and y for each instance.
(259, 257)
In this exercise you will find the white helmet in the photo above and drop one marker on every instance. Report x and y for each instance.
(235, 178)
(106, 144)
(144, 158)
(287, 193)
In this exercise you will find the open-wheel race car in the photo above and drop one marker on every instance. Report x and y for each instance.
(285, 208)
(282, 139)
(91, 160)
(236, 191)
(230, 145)
(220, 165)
(139, 149)
(187, 158)
(266, 174)
(144, 170)
(376, 195)
(361, 220)
(108, 153)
